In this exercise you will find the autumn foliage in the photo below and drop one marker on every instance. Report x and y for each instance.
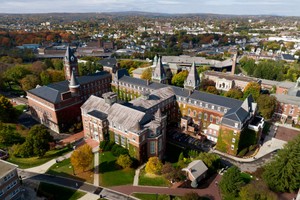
(82, 158)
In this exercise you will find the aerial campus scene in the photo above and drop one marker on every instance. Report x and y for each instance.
(150, 100)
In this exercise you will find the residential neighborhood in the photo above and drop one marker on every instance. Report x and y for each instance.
(141, 105)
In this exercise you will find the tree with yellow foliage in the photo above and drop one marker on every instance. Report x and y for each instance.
(82, 157)
(154, 166)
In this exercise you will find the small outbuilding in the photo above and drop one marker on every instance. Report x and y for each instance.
(196, 171)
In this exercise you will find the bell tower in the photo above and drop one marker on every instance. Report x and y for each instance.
(70, 64)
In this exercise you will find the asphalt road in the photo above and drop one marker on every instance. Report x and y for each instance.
(74, 184)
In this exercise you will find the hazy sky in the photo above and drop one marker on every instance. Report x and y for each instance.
(274, 7)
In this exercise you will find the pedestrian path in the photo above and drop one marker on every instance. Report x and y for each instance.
(44, 167)
(89, 196)
(96, 165)
(137, 174)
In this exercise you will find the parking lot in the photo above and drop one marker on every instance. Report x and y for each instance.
(186, 140)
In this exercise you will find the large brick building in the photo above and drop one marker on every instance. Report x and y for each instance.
(57, 105)
(184, 106)
(9, 181)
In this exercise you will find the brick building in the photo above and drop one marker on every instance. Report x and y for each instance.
(57, 105)
(229, 116)
(9, 181)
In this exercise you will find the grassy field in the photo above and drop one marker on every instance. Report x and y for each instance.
(64, 168)
(246, 177)
(24, 163)
(152, 180)
(111, 174)
(58, 193)
(150, 196)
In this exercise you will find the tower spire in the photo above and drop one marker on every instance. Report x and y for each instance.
(193, 80)
(159, 74)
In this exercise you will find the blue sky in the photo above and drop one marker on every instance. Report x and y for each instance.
(249, 7)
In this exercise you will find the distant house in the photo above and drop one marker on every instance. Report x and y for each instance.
(196, 171)
(287, 57)
(109, 64)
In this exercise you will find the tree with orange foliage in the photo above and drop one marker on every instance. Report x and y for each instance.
(82, 157)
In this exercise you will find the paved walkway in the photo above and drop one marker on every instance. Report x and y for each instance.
(212, 191)
(96, 165)
(137, 174)
(89, 196)
(44, 167)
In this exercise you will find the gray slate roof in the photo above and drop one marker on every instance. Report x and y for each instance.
(196, 168)
(193, 79)
(108, 62)
(52, 92)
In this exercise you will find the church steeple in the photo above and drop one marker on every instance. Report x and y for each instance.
(70, 64)
(159, 74)
(193, 80)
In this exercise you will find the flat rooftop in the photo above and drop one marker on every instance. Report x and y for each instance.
(6, 167)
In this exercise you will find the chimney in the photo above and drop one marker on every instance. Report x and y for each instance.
(190, 92)
(233, 63)
(148, 82)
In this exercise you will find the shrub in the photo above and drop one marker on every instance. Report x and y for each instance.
(154, 166)
(243, 152)
(124, 161)
(117, 150)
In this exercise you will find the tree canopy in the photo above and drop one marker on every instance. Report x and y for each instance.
(234, 93)
(147, 74)
(7, 111)
(124, 161)
(154, 166)
(252, 88)
(179, 78)
(231, 182)
(257, 190)
(266, 105)
(283, 172)
(82, 157)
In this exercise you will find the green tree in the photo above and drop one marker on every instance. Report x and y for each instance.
(9, 136)
(212, 90)
(124, 161)
(29, 81)
(45, 78)
(40, 138)
(147, 74)
(154, 166)
(266, 105)
(231, 182)
(178, 79)
(15, 74)
(234, 93)
(7, 111)
(252, 88)
(206, 83)
(257, 190)
(82, 158)
(212, 161)
(283, 172)
(248, 64)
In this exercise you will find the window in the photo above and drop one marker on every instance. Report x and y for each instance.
(116, 138)
(232, 147)
(189, 111)
(200, 115)
(201, 104)
(236, 125)
(212, 107)
(152, 147)
(234, 132)
(195, 114)
(205, 116)
(123, 141)
(233, 140)
(218, 120)
(225, 110)
(1, 193)
(211, 118)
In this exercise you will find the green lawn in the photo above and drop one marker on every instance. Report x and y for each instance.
(154, 180)
(246, 177)
(64, 168)
(111, 174)
(24, 163)
(58, 192)
(143, 196)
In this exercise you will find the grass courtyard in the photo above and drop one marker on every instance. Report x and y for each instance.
(24, 163)
(58, 192)
(65, 169)
(111, 174)
(152, 180)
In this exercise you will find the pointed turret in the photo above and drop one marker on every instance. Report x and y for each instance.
(159, 74)
(155, 60)
(193, 80)
(74, 84)
(70, 63)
